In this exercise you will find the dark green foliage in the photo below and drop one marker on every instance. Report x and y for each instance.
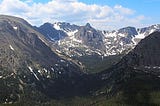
(96, 63)
(9, 87)
(139, 90)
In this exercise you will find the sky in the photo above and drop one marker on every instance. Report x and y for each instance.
(101, 14)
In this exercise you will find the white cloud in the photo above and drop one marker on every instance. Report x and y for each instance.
(123, 10)
(10, 6)
(101, 17)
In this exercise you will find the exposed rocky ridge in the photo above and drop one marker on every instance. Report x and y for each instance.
(52, 33)
(85, 40)
(90, 37)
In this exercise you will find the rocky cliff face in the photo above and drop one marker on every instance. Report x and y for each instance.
(90, 37)
(50, 32)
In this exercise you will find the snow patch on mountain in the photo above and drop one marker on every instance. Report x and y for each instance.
(71, 33)
(56, 26)
(10, 46)
(140, 36)
(31, 70)
(152, 30)
(15, 28)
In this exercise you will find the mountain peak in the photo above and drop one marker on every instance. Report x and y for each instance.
(14, 19)
(88, 25)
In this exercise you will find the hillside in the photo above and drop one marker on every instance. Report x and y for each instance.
(28, 65)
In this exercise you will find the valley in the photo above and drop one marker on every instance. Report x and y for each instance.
(63, 64)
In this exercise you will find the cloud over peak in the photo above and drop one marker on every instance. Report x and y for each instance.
(73, 11)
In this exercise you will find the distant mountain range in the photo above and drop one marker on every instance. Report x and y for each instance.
(74, 40)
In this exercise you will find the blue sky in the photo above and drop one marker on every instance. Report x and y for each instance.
(147, 7)
(102, 14)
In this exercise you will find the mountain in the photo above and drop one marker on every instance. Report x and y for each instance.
(90, 37)
(80, 40)
(125, 39)
(145, 56)
(86, 40)
(134, 80)
(31, 73)
(84, 43)
(66, 27)
(56, 31)
(50, 32)
(29, 68)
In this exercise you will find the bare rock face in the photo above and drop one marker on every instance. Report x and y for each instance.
(50, 32)
(90, 37)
